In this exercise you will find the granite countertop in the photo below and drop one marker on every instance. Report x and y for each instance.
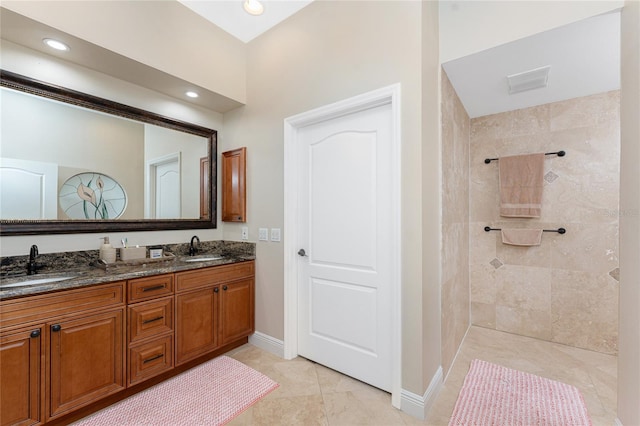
(81, 274)
(92, 275)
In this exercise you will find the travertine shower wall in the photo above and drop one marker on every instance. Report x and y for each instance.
(455, 222)
(566, 289)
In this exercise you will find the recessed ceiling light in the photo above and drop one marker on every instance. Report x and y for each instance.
(55, 44)
(191, 94)
(253, 7)
(528, 80)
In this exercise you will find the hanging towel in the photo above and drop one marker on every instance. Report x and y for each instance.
(522, 237)
(521, 185)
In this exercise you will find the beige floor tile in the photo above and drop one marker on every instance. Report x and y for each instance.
(311, 394)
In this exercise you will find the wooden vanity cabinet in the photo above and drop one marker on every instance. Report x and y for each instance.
(236, 310)
(60, 351)
(86, 360)
(214, 306)
(150, 327)
(63, 353)
(21, 376)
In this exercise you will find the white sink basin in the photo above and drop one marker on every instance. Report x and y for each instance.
(36, 281)
(202, 259)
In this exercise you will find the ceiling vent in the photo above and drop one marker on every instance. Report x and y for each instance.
(528, 80)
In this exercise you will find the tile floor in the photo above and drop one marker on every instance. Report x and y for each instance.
(310, 394)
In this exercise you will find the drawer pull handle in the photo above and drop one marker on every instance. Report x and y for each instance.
(35, 333)
(215, 290)
(153, 358)
(152, 320)
(224, 287)
(56, 327)
(155, 287)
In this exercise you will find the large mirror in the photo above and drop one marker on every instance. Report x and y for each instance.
(72, 162)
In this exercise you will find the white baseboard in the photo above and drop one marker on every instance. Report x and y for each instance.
(418, 406)
(617, 422)
(268, 343)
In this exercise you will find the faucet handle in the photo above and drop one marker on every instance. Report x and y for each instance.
(33, 252)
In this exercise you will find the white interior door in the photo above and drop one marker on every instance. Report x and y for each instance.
(345, 227)
(28, 189)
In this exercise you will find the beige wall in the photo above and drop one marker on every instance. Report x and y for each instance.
(327, 52)
(472, 26)
(166, 35)
(566, 289)
(455, 223)
(629, 351)
(430, 237)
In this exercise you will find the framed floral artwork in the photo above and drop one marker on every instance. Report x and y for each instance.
(92, 195)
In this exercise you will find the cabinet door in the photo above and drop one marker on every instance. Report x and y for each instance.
(236, 310)
(234, 165)
(86, 358)
(196, 323)
(21, 377)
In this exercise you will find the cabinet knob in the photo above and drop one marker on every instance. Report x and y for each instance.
(56, 327)
(35, 333)
(216, 290)
(224, 287)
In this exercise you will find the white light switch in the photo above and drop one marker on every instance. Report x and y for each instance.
(263, 234)
(245, 232)
(275, 234)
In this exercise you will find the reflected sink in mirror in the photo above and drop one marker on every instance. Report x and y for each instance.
(35, 281)
(201, 258)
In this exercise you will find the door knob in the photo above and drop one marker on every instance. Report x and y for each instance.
(302, 253)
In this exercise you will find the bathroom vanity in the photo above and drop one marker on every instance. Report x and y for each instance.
(84, 343)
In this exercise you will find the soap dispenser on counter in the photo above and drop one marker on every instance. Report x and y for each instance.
(107, 251)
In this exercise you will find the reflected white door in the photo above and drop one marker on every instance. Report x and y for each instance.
(28, 189)
(344, 275)
(163, 187)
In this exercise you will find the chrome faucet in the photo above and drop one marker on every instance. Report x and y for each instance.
(32, 266)
(192, 249)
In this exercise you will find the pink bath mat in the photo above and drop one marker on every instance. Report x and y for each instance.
(495, 395)
(210, 394)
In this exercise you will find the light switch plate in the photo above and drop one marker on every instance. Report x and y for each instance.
(275, 234)
(245, 232)
(263, 234)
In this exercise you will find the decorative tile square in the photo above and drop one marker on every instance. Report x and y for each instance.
(615, 274)
(496, 263)
(550, 177)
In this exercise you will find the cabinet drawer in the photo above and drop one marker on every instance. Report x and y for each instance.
(150, 359)
(150, 319)
(40, 308)
(151, 287)
(209, 276)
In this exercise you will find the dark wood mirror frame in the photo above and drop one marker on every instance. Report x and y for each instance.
(31, 227)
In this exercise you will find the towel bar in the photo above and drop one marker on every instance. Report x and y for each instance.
(559, 154)
(559, 230)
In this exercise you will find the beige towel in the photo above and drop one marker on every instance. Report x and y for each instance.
(522, 237)
(521, 185)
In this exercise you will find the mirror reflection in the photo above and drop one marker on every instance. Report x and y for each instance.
(72, 162)
(103, 167)
(93, 165)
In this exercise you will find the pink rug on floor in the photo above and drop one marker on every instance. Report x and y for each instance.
(210, 394)
(496, 395)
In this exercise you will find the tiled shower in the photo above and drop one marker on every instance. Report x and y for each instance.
(566, 289)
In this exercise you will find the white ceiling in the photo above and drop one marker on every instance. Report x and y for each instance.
(231, 16)
(584, 59)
